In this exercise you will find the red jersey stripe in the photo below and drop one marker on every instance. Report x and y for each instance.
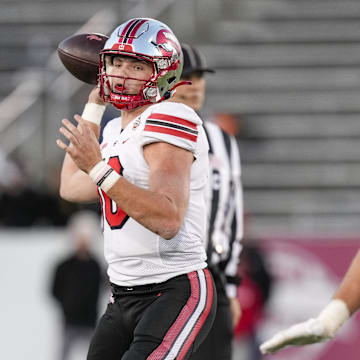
(134, 30)
(164, 130)
(173, 119)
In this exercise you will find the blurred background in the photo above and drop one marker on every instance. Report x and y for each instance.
(287, 83)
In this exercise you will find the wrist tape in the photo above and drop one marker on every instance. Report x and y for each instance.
(104, 176)
(334, 315)
(93, 113)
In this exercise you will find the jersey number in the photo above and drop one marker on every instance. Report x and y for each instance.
(115, 217)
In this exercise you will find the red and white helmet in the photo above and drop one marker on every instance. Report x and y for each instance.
(149, 40)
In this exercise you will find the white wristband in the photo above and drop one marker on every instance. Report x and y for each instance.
(334, 315)
(109, 181)
(98, 170)
(93, 113)
(104, 176)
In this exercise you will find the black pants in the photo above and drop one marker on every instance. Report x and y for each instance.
(218, 343)
(159, 321)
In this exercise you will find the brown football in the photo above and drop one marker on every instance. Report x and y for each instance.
(79, 54)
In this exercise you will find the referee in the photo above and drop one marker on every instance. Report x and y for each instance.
(225, 212)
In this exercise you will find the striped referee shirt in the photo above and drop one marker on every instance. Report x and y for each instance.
(225, 205)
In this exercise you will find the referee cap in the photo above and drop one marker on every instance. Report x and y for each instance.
(194, 60)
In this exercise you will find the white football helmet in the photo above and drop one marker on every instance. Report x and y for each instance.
(143, 39)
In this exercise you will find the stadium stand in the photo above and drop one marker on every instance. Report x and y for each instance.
(296, 89)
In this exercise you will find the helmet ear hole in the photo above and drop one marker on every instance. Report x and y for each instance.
(170, 80)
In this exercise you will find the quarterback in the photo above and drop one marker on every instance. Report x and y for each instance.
(150, 172)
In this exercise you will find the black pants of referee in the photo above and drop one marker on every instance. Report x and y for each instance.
(218, 343)
(159, 321)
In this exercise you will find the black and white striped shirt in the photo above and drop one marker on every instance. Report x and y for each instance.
(225, 202)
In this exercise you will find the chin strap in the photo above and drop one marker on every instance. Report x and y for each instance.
(170, 92)
(185, 82)
(139, 101)
(130, 102)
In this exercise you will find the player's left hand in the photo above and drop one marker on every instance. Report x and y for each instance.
(235, 310)
(83, 145)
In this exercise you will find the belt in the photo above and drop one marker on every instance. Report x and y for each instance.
(146, 287)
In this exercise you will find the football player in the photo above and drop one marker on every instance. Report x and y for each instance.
(150, 173)
(344, 303)
(225, 212)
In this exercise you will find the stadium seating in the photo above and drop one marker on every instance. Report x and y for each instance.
(291, 74)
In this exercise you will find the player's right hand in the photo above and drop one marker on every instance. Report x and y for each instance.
(308, 332)
(94, 96)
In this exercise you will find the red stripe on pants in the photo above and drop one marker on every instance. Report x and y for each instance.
(161, 351)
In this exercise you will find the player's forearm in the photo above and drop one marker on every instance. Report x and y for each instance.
(155, 211)
(69, 168)
(75, 185)
(349, 289)
(345, 301)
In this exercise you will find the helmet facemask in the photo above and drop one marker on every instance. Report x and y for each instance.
(117, 95)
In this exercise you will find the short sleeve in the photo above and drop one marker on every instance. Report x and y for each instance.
(173, 123)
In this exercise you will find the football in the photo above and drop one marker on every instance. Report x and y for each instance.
(79, 54)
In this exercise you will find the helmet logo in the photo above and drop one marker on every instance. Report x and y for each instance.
(94, 37)
(136, 123)
(122, 47)
(167, 43)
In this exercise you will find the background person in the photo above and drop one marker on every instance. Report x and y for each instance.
(254, 294)
(225, 212)
(76, 283)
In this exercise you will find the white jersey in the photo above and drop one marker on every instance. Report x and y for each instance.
(137, 256)
(225, 211)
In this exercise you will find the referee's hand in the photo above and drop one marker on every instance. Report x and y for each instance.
(235, 308)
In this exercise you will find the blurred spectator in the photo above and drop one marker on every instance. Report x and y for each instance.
(10, 172)
(76, 284)
(253, 294)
